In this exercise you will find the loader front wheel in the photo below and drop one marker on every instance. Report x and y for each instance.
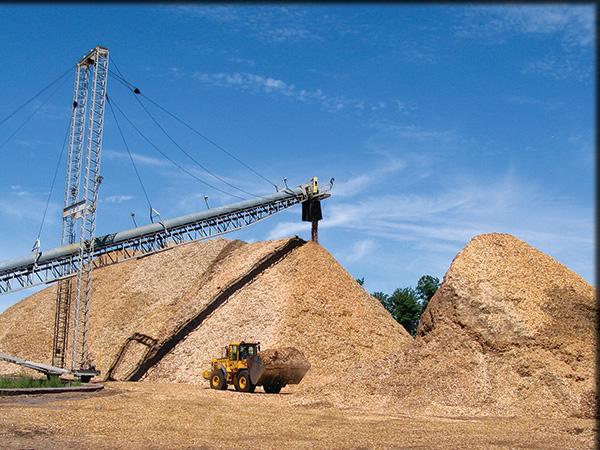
(272, 388)
(217, 380)
(243, 383)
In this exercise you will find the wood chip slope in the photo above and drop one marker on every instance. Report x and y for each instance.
(306, 300)
(148, 296)
(511, 331)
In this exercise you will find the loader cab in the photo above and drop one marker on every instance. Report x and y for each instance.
(232, 354)
(239, 351)
(249, 349)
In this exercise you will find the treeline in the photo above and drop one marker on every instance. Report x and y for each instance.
(407, 304)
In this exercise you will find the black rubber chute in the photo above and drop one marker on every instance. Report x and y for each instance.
(311, 210)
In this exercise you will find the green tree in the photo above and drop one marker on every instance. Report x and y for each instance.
(383, 299)
(426, 288)
(405, 307)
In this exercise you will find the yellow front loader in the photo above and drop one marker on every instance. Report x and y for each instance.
(245, 367)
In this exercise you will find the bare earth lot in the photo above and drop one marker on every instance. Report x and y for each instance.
(148, 415)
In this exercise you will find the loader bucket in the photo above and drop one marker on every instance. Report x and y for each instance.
(281, 366)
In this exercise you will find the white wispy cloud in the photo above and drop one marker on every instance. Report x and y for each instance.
(118, 198)
(50, 111)
(413, 132)
(449, 218)
(405, 108)
(32, 143)
(266, 84)
(20, 204)
(584, 147)
(137, 157)
(350, 186)
(271, 24)
(526, 100)
(360, 250)
(239, 60)
(573, 26)
(559, 68)
(191, 179)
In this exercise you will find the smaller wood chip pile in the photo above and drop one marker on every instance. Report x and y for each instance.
(510, 332)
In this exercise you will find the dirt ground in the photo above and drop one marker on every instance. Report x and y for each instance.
(149, 415)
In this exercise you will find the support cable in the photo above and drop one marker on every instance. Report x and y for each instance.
(210, 141)
(62, 151)
(123, 81)
(175, 163)
(190, 156)
(36, 96)
(129, 153)
(26, 121)
(136, 90)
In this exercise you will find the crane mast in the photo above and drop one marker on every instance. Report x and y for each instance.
(71, 265)
(79, 213)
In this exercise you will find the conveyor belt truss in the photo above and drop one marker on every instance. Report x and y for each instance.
(62, 262)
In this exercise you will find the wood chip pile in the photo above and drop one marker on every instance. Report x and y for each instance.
(510, 331)
(146, 298)
(306, 300)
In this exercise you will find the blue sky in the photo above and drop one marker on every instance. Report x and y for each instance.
(437, 122)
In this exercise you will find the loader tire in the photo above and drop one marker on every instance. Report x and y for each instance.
(243, 382)
(272, 388)
(217, 380)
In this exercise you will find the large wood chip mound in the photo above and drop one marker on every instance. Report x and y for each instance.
(285, 296)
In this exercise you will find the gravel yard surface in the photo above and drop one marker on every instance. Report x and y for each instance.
(174, 416)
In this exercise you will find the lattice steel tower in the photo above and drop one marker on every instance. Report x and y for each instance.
(79, 214)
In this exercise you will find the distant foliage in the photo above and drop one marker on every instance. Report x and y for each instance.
(361, 281)
(426, 288)
(383, 298)
(404, 306)
(407, 304)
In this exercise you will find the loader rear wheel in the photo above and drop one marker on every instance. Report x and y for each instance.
(243, 382)
(272, 388)
(217, 380)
